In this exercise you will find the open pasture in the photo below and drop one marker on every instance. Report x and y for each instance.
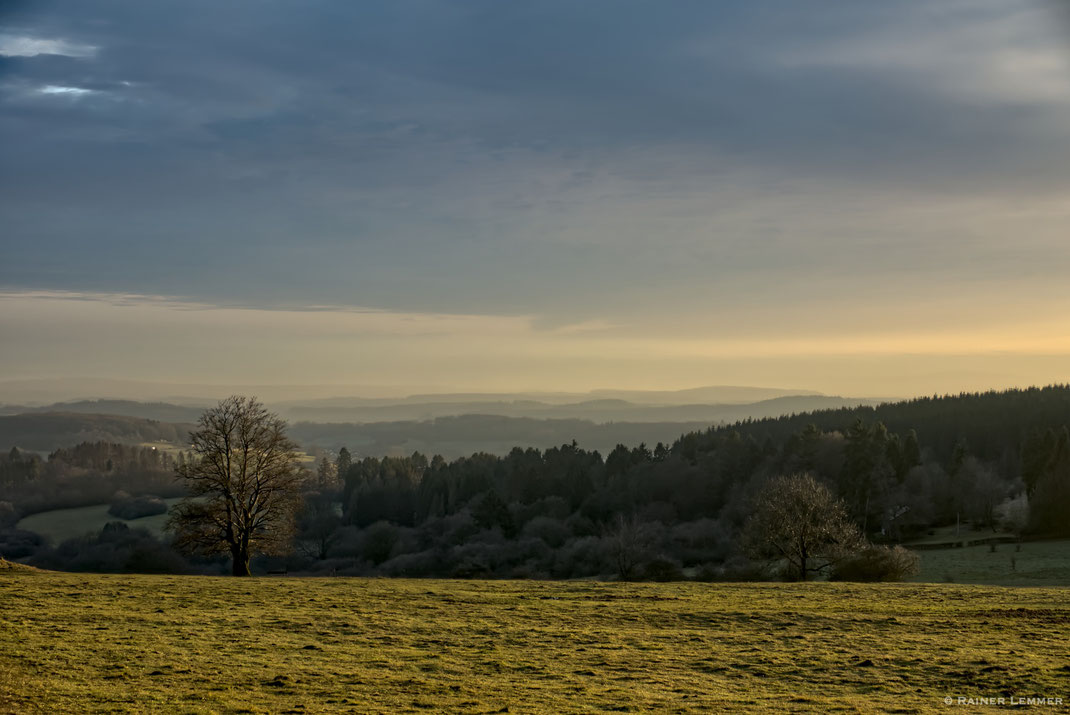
(1032, 563)
(61, 524)
(110, 643)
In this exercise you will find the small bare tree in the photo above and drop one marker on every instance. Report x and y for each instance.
(244, 482)
(317, 525)
(796, 518)
(627, 539)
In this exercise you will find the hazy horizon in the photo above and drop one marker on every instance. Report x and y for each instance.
(47, 391)
(36, 392)
(855, 199)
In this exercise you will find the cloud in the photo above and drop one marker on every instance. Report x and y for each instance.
(712, 169)
(1004, 52)
(24, 46)
(144, 337)
(66, 91)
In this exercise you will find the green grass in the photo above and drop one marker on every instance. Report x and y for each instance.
(1037, 563)
(954, 534)
(109, 643)
(61, 524)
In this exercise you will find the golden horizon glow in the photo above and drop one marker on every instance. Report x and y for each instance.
(167, 340)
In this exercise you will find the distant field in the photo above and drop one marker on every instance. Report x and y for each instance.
(1037, 563)
(108, 643)
(952, 534)
(174, 449)
(171, 448)
(62, 524)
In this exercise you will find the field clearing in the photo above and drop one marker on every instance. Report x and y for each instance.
(1037, 563)
(946, 534)
(169, 447)
(61, 524)
(111, 643)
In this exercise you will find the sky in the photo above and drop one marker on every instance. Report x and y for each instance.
(867, 199)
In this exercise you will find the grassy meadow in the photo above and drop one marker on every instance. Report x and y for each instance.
(116, 643)
(1032, 563)
(59, 525)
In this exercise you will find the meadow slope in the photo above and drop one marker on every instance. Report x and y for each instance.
(111, 643)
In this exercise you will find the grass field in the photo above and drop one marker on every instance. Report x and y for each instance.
(109, 643)
(61, 524)
(1033, 563)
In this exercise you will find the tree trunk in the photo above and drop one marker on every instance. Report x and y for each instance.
(865, 513)
(240, 562)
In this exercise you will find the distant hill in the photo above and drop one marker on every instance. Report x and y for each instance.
(379, 427)
(358, 410)
(716, 394)
(161, 411)
(597, 410)
(46, 431)
(449, 436)
(39, 392)
(464, 435)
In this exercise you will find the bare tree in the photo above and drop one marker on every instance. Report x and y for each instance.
(627, 539)
(317, 525)
(798, 519)
(983, 492)
(244, 482)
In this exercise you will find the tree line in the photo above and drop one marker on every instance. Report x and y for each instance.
(87, 473)
(884, 475)
(688, 508)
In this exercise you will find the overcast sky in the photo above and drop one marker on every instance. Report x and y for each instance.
(859, 198)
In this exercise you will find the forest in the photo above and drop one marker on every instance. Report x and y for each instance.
(997, 460)
(45, 432)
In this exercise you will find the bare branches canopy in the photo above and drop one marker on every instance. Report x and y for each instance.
(797, 519)
(244, 482)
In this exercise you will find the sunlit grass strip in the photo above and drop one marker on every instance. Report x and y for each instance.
(200, 644)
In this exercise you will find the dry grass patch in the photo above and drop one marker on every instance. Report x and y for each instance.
(203, 644)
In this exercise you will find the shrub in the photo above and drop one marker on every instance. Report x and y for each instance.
(551, 507)
(551, 531)
(153, 557)
(473, 561)
(580, 525)
(378, 541)
(530, 569)
(740, 568)
(423, 563)
(459, 527)
(582, 557)
(348, 543)
(341, 567)
(662, 568)
(127, 507)
(658, 511)
(701, 541)
(19, 543)
(705, 572)
(877, 563)
(492, 512)
(8, 515)
(116, 549)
